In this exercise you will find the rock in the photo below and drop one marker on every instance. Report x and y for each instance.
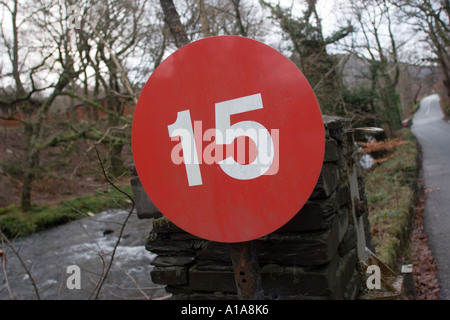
(302, 248)
(215, 251)
(315, 215)
(172, 275)
(331, 151)
(161, 244)
(163, 225)
(167, 261)
(327, 281)
(348, 241)
(212, 280)
(144, 206)
(343, 197)
(107, 231)
(328, 181)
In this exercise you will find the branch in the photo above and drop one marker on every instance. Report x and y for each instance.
(123, 75)
(98, 141)
(240, 24)
(133, 280)
(25, 97)
(16, 253)
(172, 19)
(4, 260)
(107, 132)
(11, 118)
(60, 139)
(339, 34)
(342, 61)
(105, 275)
(135, 29)
(94, 103)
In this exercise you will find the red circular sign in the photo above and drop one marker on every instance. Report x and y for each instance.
(228, 139)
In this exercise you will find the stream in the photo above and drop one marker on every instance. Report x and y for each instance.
(85, 245)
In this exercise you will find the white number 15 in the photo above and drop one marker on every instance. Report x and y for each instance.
(225, 134)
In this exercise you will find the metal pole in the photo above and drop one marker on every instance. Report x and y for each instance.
(246, 271)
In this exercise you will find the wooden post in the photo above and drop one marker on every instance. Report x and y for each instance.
(246, 271)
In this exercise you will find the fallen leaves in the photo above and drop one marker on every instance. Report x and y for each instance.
(431, 190)
(387, 145)
(3, 256)
(424, 265)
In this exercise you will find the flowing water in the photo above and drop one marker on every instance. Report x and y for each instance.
(86, 244)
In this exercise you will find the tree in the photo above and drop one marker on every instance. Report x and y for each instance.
(432, 19)
(111, 37)
(380, 52)
(309, 51)
(172, 19)
(52, 51)
(117, 30)
(204, 18)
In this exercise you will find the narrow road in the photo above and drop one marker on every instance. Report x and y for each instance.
(433, 134)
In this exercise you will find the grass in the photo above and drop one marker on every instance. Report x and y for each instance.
(414, 108)
(15, 223)
(445, 105)
(391, 189)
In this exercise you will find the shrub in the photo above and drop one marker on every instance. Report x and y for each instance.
(391, 191)
(14, 222)
(14, 226)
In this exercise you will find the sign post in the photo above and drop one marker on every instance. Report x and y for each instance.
(228, 142)
(246, 271)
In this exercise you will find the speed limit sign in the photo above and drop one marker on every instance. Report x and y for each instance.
(228, 139)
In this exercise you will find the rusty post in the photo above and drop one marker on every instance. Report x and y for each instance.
(246, 271)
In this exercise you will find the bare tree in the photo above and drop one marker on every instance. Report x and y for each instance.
(110, 37)
(52, 52)
(204, 18)
(309, 50)
(432, 19)
(378, 47)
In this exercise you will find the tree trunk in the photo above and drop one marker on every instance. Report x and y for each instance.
(172, 19)
(237, 14)
(31, 165)
(115, 158)
(204, 19)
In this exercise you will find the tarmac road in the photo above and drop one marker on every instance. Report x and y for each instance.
(433, 134)
(48, 254)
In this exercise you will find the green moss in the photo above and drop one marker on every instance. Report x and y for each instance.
(446, 108)
(9, 209)
(14, 222)
(391, 191)
(14, 225)
(415, 107)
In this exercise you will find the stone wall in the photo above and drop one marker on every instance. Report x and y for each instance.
(313, 256)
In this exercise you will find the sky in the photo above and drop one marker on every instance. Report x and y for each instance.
(330, 12)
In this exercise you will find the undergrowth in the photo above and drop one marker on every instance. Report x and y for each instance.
(391, 188)
(15, 223)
